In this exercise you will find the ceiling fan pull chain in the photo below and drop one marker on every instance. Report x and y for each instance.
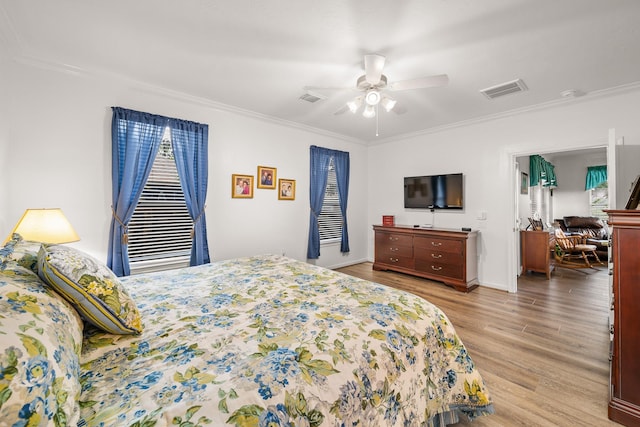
(377, 115)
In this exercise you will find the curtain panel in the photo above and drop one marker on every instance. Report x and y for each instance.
(596, 175)
(189, 141)
(320, 158)
(542, 171)
(135, 139)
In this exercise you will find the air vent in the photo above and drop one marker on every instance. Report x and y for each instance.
(504, 89)
(312, 97)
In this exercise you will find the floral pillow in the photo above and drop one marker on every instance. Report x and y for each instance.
(39, 356)
(91, 287)
(20, 251)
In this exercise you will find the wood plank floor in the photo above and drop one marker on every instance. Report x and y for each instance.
(543, 351)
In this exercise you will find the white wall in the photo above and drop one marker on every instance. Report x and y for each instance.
(483, 152)
(60, 133)
(4, 148)
(57, 139)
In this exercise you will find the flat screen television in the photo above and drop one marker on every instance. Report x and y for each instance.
(434, 191)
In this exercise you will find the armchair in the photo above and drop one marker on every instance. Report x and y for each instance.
(573, 251)
(594, 230)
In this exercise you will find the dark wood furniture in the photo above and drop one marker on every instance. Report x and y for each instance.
(624, 400)
(445, 255)
(536, 250)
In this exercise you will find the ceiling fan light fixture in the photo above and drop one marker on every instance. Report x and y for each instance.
(372, 97)
(369, 112)
(388, 103)
(354, 104)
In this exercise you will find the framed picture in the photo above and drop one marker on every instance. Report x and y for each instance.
(524, 183)
(634, 197)
(286, 189)
(241, 186)
(266, 177)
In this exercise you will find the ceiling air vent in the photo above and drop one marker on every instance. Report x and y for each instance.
(312, 97)
(504, 89)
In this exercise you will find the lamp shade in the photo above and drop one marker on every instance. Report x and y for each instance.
(46, 226)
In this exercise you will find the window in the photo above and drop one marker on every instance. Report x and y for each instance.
(599, 200)
(328, 196)
(160, 228)
(330, 219)
(541, 206)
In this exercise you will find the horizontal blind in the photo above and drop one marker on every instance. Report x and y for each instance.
(599, 201)
(330, 219)
(160, 228)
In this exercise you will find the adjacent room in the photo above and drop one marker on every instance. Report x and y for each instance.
(319, 213)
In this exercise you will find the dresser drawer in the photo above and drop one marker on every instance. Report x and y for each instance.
(394, 250)
(394, 239)
(454, 271)
(440, 257)
(438, 244)
(397, 261)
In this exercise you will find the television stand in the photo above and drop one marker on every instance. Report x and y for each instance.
(445, 255)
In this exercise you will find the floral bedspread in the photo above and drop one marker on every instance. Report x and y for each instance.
(269, 341)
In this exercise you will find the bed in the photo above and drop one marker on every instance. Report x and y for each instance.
(256, 341)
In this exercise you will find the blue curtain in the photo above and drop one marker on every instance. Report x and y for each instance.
(319, 165)
(596, 175)
(341, 164)
(189, 141)
(135, 138)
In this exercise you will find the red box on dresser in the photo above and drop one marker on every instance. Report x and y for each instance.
(388, 220)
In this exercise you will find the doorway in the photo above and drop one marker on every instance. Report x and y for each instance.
(570, 200)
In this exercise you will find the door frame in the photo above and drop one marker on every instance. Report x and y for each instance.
(513, 248)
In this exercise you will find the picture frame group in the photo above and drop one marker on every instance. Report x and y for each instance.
(266, 178)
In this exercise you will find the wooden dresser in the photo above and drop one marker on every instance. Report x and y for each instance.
(624, 400)
(536, 251)
(445, 255)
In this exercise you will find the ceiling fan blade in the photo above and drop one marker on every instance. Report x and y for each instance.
(373, 65)
(420, 83)
(341, 110)
(399, 109)
(321, 88)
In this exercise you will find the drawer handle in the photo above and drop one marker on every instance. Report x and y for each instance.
(393, 249)
(393, 238)
(436, 243)
(436, 268)
(436, 256)
(394, 259)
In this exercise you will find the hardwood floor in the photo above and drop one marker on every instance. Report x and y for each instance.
(543, 351)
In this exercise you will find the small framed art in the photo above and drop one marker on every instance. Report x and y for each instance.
(266, 177)
(286, 189)
(524, 183)
(241, 186)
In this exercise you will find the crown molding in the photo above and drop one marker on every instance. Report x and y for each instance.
(603, 93)
(174, 94)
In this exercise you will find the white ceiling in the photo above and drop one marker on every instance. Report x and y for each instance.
(257, 56)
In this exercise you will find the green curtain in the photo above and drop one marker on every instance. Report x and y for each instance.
(541, 170)
(596, 175)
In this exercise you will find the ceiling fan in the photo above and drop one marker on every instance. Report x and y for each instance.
(375, 85)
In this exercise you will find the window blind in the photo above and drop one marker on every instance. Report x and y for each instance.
(160, 228)
(599, 201)
(330, 219)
